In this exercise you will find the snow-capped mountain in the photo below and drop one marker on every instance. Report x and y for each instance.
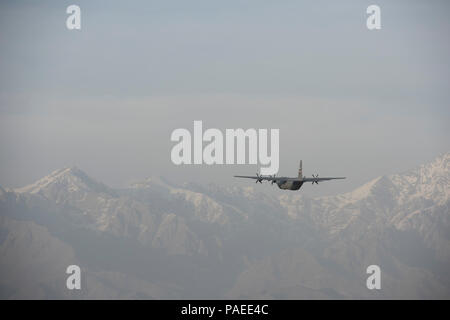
(157, 239)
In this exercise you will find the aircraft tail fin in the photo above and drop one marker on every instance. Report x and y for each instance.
(300, 170)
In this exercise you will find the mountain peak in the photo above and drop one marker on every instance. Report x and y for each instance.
(71, 179)
(444, 156)
(442, 162)
(429, 180)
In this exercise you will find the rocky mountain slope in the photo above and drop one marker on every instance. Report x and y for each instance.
(160, 240)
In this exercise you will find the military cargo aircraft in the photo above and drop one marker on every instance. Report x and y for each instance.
(289, 183)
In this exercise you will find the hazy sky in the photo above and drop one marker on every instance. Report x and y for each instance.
(348, 101)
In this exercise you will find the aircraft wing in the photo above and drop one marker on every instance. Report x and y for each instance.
(317, 179)
(269, 178)
(262, 178)
(304, 179)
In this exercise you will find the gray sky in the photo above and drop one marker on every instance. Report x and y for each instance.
(348, 101)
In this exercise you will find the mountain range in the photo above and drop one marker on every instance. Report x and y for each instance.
(161, 240)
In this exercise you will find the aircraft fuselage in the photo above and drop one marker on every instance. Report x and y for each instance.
(289, 185)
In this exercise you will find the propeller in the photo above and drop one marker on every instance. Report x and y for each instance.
(315, 176)
(259, 178)
(273, 179)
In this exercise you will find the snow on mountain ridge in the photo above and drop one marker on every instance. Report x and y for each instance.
(71, 179)
(385, 196)
(391, 200)
(429, 181)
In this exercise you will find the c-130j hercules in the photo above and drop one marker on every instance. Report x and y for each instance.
(288, 183)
